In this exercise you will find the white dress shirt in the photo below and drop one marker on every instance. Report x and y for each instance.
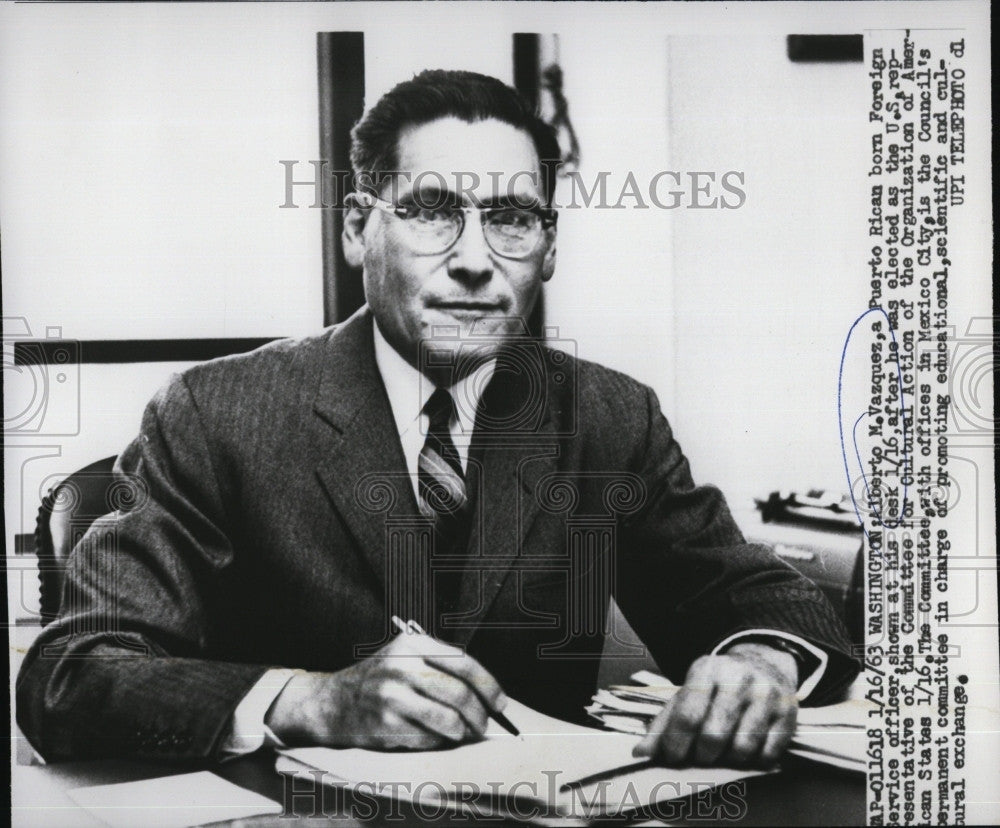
(408, 391)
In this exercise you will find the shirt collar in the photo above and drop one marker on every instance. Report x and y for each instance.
(408, 390)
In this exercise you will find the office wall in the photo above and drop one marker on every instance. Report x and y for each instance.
(612, 292)
(765, 294)
(143, 184)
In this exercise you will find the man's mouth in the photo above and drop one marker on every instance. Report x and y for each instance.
(468, 307)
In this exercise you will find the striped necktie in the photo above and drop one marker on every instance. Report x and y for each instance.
(444, 500)
(439, 470)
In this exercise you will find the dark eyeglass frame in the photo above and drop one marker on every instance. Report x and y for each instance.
(548, 218)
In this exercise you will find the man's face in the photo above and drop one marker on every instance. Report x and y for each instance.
(414, 295)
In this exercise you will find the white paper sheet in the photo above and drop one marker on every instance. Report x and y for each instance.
(172, 801)
(536, 766)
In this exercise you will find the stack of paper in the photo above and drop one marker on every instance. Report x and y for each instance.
(834, 735)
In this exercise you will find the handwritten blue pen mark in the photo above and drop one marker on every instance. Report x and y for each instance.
(854, 435)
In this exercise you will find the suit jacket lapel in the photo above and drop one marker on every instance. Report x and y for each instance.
(360, 460)
(515, 443)
(361, 465)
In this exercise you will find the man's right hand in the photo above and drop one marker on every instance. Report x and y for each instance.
(416, 693)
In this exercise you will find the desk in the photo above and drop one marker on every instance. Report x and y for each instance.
(803, 793)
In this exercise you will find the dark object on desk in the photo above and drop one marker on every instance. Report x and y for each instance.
(817, 508)
(818, 533)
(66, 513)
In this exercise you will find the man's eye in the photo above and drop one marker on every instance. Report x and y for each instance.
(513, 220)
(428, 215)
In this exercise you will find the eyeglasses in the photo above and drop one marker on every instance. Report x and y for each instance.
(511, 232)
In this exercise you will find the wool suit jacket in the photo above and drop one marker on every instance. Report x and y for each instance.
(274, 524)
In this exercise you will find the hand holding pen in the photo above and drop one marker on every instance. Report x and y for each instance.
(413, 628)
(416, 693)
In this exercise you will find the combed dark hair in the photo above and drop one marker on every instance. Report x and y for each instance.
(440, 93)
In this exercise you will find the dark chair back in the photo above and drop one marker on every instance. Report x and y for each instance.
(66, 513)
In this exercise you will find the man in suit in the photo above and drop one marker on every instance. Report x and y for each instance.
(426, 458)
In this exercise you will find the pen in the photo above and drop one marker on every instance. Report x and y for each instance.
(413, 627)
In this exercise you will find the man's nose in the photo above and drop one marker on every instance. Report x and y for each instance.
(471, 258)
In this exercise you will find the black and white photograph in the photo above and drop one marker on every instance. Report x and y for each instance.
(509, 413)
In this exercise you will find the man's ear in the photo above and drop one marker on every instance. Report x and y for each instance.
(353, 236)
(549, 262)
